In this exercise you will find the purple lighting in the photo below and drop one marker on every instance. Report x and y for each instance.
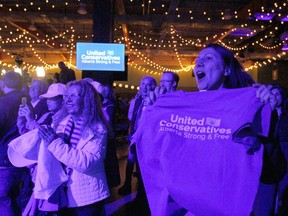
(285, 47)
(285, 19)
(242, 32)
(264, 16)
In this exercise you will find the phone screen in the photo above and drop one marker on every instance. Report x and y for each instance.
(24, 101)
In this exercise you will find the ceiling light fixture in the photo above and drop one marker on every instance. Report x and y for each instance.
(82, 9)
(227, 14)
(32, 27)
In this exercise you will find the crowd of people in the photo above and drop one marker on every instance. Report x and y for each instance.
(220, 151)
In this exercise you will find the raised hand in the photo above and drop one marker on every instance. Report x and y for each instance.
(27, 112)
(265, 95)
(47, 134)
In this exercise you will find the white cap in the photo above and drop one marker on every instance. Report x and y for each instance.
(54, 90)
(23, 150)
(96, 85)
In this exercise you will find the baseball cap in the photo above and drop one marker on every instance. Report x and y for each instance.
(23, 150)
(96, 85)
(54, 90)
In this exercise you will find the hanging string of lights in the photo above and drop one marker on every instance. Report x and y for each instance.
(176, 42)
(24, 38)
(186, 69)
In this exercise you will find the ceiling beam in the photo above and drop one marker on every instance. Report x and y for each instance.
(38, 35)
(184, 53)
(146, 20)
(254, 6)
(219, 37)
(38, 18)
(49, 22)
(121, 10)
(271, 28)
(171, 11)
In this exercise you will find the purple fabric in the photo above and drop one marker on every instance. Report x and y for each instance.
(57, 201)
(187, 155)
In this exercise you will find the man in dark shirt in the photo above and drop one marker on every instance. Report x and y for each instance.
(10, 176)
(66, 74)
(140, 204)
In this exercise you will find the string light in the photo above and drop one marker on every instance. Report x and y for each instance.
(175, 44)
(188, 68)
(121, 85)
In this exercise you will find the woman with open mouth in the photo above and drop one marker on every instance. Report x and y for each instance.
(208, 160)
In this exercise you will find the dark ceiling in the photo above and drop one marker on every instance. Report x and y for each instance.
(159, 34)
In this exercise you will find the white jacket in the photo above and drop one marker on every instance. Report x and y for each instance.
(87, 183)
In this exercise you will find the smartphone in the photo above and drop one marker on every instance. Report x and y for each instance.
(24, 101)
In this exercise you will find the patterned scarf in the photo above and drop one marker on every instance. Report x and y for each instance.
(72, 133)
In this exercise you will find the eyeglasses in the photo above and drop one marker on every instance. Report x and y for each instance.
(71, 96)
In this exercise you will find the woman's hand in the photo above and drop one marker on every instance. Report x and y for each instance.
(47, 134)
(265, 95)
(26, 111)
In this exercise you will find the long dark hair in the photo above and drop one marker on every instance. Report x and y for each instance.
(283, 94)
(238, 77)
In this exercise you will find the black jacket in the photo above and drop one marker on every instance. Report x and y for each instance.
(9, 105)
(274, 164)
